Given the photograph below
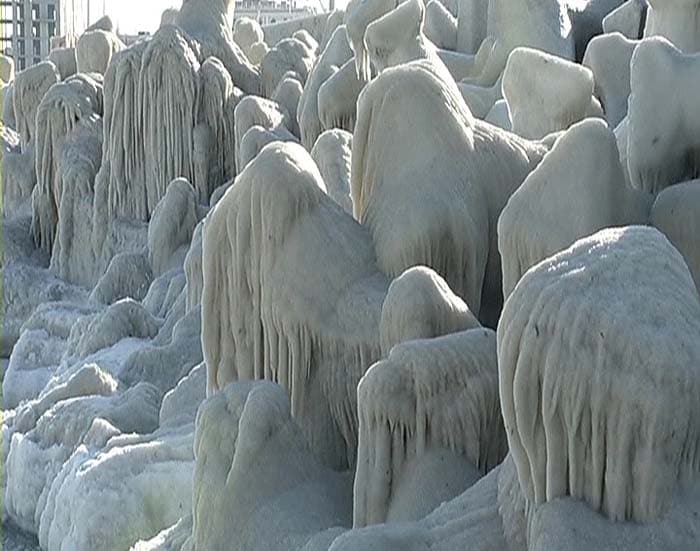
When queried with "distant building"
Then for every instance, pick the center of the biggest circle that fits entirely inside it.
(28, 27)
(267, 12)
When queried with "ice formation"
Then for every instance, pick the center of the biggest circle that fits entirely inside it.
(332, 154)
(397, 37)
(609, 56)
(171, 227)
(577, 190)
(62, 108)
(95, 49)
(630, 382)
(257, 53)
(254, 140)
(78, 165)
(336, 53)
(214, 137)
(251, 461)
(210, 23)
(65, 60)
(307, 38)
(662, 147)
(29, 88)
(169, 17)
(564, 389)
(629, 19)
(287, 55)
(440, 25)
(334, 20)
(675, 213)
(540, 24)
(358, 15)
(676, 20)
(459, 155)
(288, 95)
(169, 63)
(104, 23)
(257, 111)
(420, 305)
(546, 94)
(244, 282)
(278, 335)
(430, 426)
(337, 98)
(246, 32)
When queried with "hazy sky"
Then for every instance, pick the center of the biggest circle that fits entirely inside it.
(138, 15)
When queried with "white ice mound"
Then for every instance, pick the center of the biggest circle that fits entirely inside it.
(246, 32)
(95, 49)
(171, 227)
(358, 15)
(168, 63)
(272, 246)
(337, 98)
(578, 189)
(288, 94)
(65, 60)
(676, 213)
(256, 483)
(257, 111)
(546, 93)
(676, 20)
(36, 457)
(29, 88)
(609, 56)
(538, 24)
(420, 305)
(663, 147)
(131, 489)
(336, 53)
(332, 153)
(398, 37)
(289, 54)
(440, 25)
(607, 346)
(433, 198)
(7, 69)
(629, 19)
(214, 136)
(210, 23)
(430, 426)
(60, 112)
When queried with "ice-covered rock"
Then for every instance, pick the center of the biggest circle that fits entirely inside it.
(29, 88)
(676, 20)
(662, 145)
(332, 153)
(675, 214)
(95, 49)
(578, 189)
(609, 56)
(546, 93)
(629, 19)
(430, 426)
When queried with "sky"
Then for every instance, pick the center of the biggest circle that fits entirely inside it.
(132, 16)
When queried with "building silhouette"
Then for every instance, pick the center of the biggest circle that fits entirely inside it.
(28, 27)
